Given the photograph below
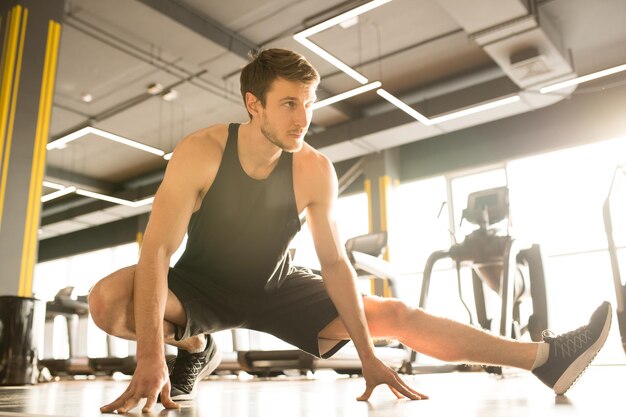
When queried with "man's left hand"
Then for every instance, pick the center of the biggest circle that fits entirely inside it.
(376, 373)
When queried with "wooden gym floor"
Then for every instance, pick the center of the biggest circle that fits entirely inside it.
(599, 392)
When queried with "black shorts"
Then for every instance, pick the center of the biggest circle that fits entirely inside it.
(295, 312)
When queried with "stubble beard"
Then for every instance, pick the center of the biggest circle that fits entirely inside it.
(271, 135)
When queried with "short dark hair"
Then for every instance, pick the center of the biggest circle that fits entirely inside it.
(269, 64)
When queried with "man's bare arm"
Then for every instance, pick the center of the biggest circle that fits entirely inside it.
(191, 169)
(339, 276)
(340, 280)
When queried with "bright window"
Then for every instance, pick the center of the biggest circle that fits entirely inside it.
(417, 229)
(557, 201)
(351, 216)
(81, 272)
(557, 197)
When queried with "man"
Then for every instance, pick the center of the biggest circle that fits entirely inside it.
(238, 191)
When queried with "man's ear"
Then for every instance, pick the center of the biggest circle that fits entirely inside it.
(252, 104)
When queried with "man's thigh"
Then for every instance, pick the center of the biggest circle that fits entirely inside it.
(380, 313)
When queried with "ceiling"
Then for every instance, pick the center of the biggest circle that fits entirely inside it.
(437, 56)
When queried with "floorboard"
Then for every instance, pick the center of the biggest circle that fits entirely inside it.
(599, 393)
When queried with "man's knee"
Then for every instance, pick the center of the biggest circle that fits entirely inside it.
(391, 314)
(109, 299)
(399, 312)
(97, 300)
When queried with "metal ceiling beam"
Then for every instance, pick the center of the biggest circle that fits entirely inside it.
(590, 117)
(221, 35)
(204, 26)
(54, 174)
(94, 238)
(395, 117)
(356, 128)
(584, 118)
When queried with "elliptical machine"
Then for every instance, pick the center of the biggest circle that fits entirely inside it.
(513, 271)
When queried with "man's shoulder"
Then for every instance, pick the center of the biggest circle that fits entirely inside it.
(201, 150)
(210, 138)
(314, 172)
(311, 158)
(197, 157)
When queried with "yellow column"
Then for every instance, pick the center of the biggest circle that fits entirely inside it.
(31, 34)
(381, 177)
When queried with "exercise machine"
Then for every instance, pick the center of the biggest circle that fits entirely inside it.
(75, 310)
(365, 252)
(500, 262)
(615, 203)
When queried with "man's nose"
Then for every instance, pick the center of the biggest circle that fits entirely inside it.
(302, 117)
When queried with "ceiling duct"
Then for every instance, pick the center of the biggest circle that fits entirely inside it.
(521, 40)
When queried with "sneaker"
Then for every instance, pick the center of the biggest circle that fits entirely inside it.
(572, 352)
(170, 360)
(190, 368)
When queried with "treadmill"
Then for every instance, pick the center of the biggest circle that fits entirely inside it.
(74, 309)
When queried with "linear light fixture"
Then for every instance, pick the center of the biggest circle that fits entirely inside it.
(72, 189)
(332, 59)
(168, 156)
(454, 115)
(63, 190)
(475, 109)
(346, 94)
(341, 18)
(105, 197)
(143, 202)
(115, 200)
(403, 106)
(62, 142)
(53, 185)
(57, 194)
(583, 79)
(302, 37)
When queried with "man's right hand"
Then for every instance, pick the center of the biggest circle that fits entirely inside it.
(150, 379)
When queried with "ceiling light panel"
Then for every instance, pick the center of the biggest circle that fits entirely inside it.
(341, 18)
(352, 14)
(346, 95)
(57, 194)
(53, 185)
(115, 200)
(344, 17)
(332, 59)
(583, 79)
(475, 109)
(103, 197)
(62, 142)
(403, 106)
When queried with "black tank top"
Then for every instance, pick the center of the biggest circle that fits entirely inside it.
(241, 232)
